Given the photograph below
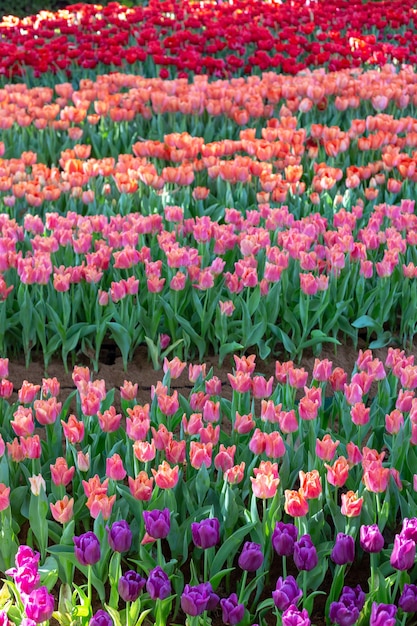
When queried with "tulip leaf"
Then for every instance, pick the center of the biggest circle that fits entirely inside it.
(229, 548)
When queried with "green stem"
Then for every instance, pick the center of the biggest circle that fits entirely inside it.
(160, 558)
(374, 566)
(242, 588)
(396, 586)
(89, 586)
(127, 613)
(206, 566)
(284, 567)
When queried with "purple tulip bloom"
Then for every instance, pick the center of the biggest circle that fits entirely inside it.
(158, 585)
(287, 592)
(408, 599)
(101, 618)
(157, 523)
(251, 557)
(403, 553)
(206, 533)
(39, 605)
(194, 600)
(283, 538)
(343, 550)
(213, 597)
(232, 611)
(371, 539)
(130, 585)
(409, 529)
(87, 548)
(293, 617)
(383, 615)
(305, 554)
(343, 614)
(354, 595)
(119, 536)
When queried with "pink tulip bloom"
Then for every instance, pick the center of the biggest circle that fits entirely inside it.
(114, 468)
(166, 477)
(63, 510)
(326, 448)
(200, 454)
(141, 486)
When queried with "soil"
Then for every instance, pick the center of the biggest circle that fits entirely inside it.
(140, 371)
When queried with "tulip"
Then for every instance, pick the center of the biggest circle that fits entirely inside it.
(408, 599)
(351, 504)
(344, 549)
(354, 596)
(383, 615)
(251, 557)
(343, 614)
(87, 548)
(403, 553)
(305, 554)
(157, 523)
(119, 536)
(206, 533)
(296, 504)
(130, 586)
(293, 617)
(39, 605)
(158, 585)
(283, 538)
(286, 592)
(371, 539)
(409, 528)
(194, 600)
(63, 510)
(26, 577)
(101, 618)
(232, 610)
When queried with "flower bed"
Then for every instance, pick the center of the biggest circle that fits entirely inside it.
(187, 488)
(227, 177)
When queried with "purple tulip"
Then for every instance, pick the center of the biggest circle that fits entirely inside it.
(119, 536)
(213, 597)
(353, 595)
(157, 523)
(287, 592)
(251, 557)
(409, 529)
(87, 548)
(283, 538)
(158, 585)
(343, 614)
(101, 618)
(383, 615)
(39, 605)
(130, 585)
(194, 600)
(206, 533)
(293, 617)
(343, 550)
(232, 611)
(408, 599)
(305, 554)
(403, 553)
(371, 539)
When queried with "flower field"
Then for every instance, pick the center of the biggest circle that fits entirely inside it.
(213, 184)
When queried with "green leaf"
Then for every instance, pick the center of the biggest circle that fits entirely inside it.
(229, 548)
(227, 348)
